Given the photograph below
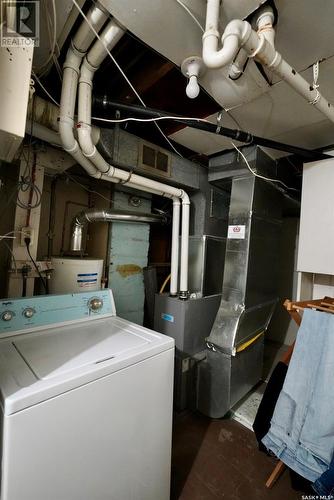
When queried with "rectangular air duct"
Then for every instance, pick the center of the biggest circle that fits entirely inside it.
(249, 296)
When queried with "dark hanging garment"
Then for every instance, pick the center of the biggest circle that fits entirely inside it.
(265, 411)
(263, 417)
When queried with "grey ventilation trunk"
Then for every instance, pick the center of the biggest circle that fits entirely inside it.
(248, 297)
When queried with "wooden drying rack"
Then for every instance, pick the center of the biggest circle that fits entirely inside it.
(325, 305)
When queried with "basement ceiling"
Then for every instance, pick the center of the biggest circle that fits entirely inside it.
(161, 34)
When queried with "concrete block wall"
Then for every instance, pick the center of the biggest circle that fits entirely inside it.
(129, 245)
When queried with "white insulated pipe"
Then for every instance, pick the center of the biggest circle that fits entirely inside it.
(174, 269)
(108, 39)
(79, 45)
(94, 163)
(46, 114)
(260, 46)
(43, 133)
(238, 64)
(212, 57)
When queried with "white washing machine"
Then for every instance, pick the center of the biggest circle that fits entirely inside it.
(86, 401)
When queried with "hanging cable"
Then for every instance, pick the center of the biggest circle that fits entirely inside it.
(122, 73)
(24, 185)
(42, 86)
(9, 235)
(194, 18)
(90, 191)
(12, 255)
(27, 242)
(159, 118)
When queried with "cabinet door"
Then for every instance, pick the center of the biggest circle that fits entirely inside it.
(316, 238)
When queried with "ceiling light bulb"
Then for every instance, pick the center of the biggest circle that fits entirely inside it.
(192, 89)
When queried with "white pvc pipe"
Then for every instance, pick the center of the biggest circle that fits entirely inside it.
(174, 271)
(184, 249)
(92, 161)
(80, 43)
(212, 57)
(46, 114)
(260, 46)
(85, 36)
(237, 66)
(108, 39)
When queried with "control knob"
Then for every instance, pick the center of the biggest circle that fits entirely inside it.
(7, 315)
(28, 312)
(95, 304)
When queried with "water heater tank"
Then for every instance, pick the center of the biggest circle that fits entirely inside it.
(75, 275)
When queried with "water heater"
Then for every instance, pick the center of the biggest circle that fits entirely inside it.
(75, 275)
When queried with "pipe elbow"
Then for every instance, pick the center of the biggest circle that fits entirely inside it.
(86, 72)
(185, 198)
(238, 65)
(85, 139)
(67, 136)
(214, 58)
(73, 59)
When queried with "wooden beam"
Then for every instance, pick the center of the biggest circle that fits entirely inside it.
(146, 78)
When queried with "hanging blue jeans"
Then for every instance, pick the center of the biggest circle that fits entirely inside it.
(302, 428)
(324, 485)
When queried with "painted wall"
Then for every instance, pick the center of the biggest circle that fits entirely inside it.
(129, 245)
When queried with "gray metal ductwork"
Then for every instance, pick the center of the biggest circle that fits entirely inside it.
(233, 363)
(88, 216)
(131, 152)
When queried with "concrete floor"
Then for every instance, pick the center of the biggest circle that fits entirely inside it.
(220, 459)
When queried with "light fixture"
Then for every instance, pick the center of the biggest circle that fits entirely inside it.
(192, 68)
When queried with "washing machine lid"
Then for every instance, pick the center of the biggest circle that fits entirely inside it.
(40, 365)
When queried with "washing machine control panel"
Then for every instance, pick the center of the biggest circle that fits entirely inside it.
(23, 314)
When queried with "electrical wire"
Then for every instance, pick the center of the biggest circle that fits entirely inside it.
(27, 242)
(42, 86)
(27, 183)
(194, 18)
(269, 179)
(133, 119)
(4, 236)
(12, 254)
(91, 191)
(24, 185)
(122, 72)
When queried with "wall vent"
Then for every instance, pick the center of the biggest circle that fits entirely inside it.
(152, 158)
